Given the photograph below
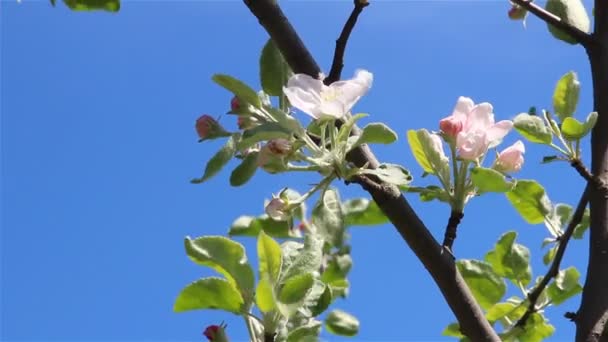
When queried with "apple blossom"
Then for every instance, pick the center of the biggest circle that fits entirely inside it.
(216, 333)
(208, 128)
(235, 104)
(314, 98)
(476, 128)
(511, 158)
(277, 209)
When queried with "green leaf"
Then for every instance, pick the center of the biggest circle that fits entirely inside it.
(345, 129)
(295, 288)
(549, 159)
(252, 226)
(273, 70)
(209, 293)
(311, 330)
(510, 260)
(323, 301)
(571, 12)
(430, 193)
(573, 129)
(362, 212)
(529, 199)
(536, 329)
(391, 173)
(264, 297)
(582, 227)
(225, 256)
(263, 132)
(246, 169)
(453, 330)
(328, 218)
(92, 5)
(339, 322)
(565, 95)
(376, 133)
(564, 286)
(269, 255)
(298, 259)
(489, 180)
(337, 269)
(218, 161)
(430, 159)
(533, 128)
(550, 255)
(487, 287)
(238, 88)
(509, 310)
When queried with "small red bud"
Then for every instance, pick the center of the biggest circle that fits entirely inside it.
(235, 105)
(204, 125)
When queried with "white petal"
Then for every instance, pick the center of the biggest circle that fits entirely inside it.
(463, 107)
(333, 108)
(305, 82)
(498, 131)
(308, 102)
(348, 92)
(364, 77)
(481, 117)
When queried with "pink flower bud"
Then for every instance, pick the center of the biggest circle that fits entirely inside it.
(277, 209)
(451, 126)
(246, 122)
(208, 128)
(279, 147)
(511, 158)
(216, 333)
(235, 105)
(517, 12)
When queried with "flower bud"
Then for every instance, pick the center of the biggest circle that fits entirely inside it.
(216, 333)
(511, 158)
(208, 128)
(451, 126)
(517, 12)
(235, 104)
(246, 122)
(279, 147)
(277, 209)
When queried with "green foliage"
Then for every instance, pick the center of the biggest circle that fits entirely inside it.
(533, 128)
(565, 95)
(391, 173)
(564, 286)
(342, 323)
(239, 89)
(571, 12)
(219, 160)
(529, 199)
(266, 131)
(510, 260)
(362, 212)
(245, 170)
(252, 226)
(486, 286)
(308, 332)
(328, 218)
(427, 157)
(92, 5)
(270, 257)
(489, 180)
(264, 296)
(209, 293)
(573, 129)
(376, 133)
(430, 193)
(296, 288)
(274, 72)
(226, 257)
(453, 330)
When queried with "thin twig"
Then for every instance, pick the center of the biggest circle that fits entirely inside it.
(554, 268)
(450, 230)
(580, 36)
(338, 62)
(597, 183)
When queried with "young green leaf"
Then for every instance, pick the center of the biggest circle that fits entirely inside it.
(238, 88)
(225, 256)
(218, 161)
(529, 199)
(246, 169)
(427, 155)
(582, 227)
(296, 288)
(339, 322)
(550, 255)
(487, 287)
(270, 258)
(510, 260)
(490, 180)
(93, 5)
(264, 297)
(209, 293)
(536, 329)
(571, 12)
(533, 128)
(453, 330)
(273, 70)
(328, 217)
(391, 173)
(376, 133)
(565, 95)
(564, 286)
(362, 212)
(263, 132)
(308, 332)
(345, 129)
(298, 259)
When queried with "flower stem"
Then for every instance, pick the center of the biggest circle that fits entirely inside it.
(250, 328)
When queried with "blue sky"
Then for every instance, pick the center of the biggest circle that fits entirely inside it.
(98, 148)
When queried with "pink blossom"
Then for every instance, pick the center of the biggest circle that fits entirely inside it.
(235, 105)
(206, 126)
(511, 158)
(475, 127)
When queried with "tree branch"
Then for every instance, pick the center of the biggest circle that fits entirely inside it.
(338, 62)
(554, 268)
(450, 230)
(440, 265)
(582, 37)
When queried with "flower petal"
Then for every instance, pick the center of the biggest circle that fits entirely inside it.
(308, 102)
(498, 131)
(481, 117)
(463, 107)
